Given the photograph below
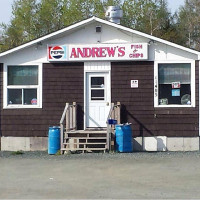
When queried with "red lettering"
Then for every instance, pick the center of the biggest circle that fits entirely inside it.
(102, 52)
(73, 54)
(87, 52)
(136, 46)
(80, 52)
(121, 51)
(111, 51)
(95, 52)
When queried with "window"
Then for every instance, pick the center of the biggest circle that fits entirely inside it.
(22, 88)
(97, 88)
(174, 84)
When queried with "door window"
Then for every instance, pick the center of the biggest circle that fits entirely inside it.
(97, 88)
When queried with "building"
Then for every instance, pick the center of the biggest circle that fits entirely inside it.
(94, 63)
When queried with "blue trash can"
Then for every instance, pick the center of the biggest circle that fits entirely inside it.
(123, 135)
(53, 140)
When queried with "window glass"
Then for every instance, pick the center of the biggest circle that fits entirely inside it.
(14, 96)
(174, 84)
(97, 82)
(97, 94)
(169, 73)
(30, 96)
(22, 75)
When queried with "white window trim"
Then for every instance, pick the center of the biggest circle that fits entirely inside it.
(38, 87)
(156, 85)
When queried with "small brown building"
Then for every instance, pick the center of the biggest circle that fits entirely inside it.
(96, 63)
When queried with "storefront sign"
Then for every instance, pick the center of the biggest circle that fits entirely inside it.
(134, 83)
(137, 51)
(56, 53)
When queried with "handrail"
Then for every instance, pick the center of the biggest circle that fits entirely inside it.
(110, 112)
(64, 113)
(115, 114)
(70, 114)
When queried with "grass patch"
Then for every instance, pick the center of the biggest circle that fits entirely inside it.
(17, 153)
(58, 153)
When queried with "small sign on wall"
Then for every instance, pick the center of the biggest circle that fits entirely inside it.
(134, 83)
(176, 84)
(176, 92)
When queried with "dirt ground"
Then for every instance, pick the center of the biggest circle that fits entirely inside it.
(37, 175)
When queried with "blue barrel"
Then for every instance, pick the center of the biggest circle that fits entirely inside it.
(123, 135)
(54, 140)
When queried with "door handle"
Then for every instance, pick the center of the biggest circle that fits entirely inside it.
(107, 103)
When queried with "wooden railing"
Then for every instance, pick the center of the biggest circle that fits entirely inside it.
(113, 114)
(69, 114)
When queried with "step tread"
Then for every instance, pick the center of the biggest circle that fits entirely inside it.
(85, 143)
(91, 138)
(72, 149)
(85, 132)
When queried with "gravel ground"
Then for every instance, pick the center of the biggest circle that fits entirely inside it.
(135, 155)
(156, 175)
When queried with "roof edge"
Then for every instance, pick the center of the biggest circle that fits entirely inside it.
(84, 22)
(70, 27)
(148, 36)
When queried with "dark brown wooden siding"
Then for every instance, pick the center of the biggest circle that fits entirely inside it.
(138, 103)
(61, 83)
(64, 83)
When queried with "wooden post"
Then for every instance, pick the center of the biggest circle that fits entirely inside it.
(113, 111)
(67, 118)
(108, 137)
(118, 112)
(74, 110)
(61, 137)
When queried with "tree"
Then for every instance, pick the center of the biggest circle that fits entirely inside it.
(22, 27)
(188, 19)
(149, 16)
(35, 18)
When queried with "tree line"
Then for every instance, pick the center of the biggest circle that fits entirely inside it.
(32, 19)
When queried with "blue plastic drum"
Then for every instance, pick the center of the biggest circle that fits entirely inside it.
(123, 135)
(54, 140)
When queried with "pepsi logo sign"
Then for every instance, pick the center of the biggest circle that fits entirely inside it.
(56, 52)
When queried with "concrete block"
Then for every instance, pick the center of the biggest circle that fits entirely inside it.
(15, 144)
(175, 144)
(191, 143)
(137, 144)
(38, 143)
(24, 143)
(155, 143)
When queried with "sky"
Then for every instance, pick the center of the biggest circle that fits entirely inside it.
(6, 8)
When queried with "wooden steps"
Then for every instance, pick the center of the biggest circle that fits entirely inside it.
(85, 141)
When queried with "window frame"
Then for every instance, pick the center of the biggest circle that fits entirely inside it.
(6, 87)
(156, 84)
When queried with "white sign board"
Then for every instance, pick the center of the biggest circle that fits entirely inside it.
(92, 52)
(134, 83)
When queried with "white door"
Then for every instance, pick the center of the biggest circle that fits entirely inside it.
(97, 98)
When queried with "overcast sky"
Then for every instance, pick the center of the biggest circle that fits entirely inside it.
(6, 8)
